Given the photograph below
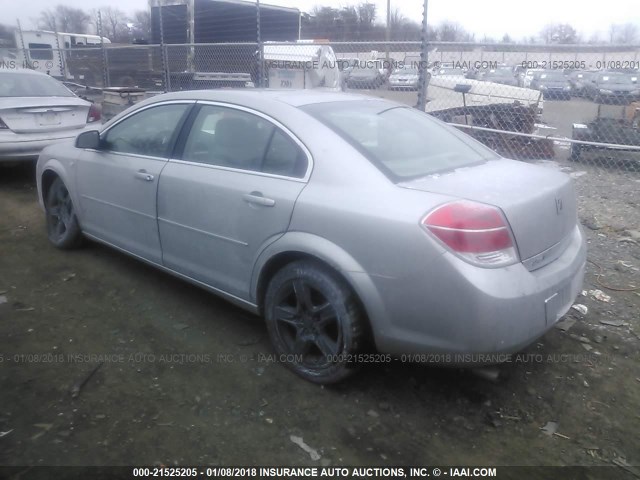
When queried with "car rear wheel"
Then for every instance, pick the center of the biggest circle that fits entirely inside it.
(314, 321)
(62, 224)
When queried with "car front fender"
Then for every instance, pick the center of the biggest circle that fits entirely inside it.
(52, 164)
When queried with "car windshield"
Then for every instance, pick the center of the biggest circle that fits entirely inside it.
(552, 76)
(617, 79)
(402, 142)
(451, 71)
(503, 72)
(14, 84)
(406, 71)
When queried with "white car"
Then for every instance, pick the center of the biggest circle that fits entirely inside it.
(528, 76)
(37, 110)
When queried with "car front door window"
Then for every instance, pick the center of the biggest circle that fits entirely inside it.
(147, 133)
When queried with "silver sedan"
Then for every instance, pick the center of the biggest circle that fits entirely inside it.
(352, 224)
(37, 110)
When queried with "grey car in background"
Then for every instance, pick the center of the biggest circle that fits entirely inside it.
(365, 77)
(578, 79)
(503, 76)
(404, 79)
(552, 84)
(37, 110)
(352, 224)
(613, 87)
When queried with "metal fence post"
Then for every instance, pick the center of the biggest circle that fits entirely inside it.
(105, 64)
(166, 73)
(26, 63)
(62, 61)
(261, 82)
(423, 81)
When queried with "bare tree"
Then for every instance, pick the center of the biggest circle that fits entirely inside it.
(142, 24)
(63, 19)
(562, 33)
(367, 15)
(114, 24)
(449, 31)
(47, 20)
(403, 29)
(625, 34)
(594, 39)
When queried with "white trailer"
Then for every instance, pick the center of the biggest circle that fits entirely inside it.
(302, 65)
(48, 52)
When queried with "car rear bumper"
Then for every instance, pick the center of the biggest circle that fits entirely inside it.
(474, 313)
(29, 145)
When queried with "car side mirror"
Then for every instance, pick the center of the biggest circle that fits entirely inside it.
(90, 139)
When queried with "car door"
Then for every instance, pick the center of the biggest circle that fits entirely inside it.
(117, 183)
(228, 195)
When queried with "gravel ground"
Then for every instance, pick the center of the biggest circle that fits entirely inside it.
(189, 379)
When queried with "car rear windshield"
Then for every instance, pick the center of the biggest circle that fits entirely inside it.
(14, 84)
(401, 141)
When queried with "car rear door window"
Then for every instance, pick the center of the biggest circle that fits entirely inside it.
(228, 137)
(233, 138)
(284, 157)
(147, 133)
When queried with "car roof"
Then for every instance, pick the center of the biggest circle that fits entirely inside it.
(257, 98)
(24, 71)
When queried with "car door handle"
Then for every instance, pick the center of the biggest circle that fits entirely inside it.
(144, 175)
(256, 198)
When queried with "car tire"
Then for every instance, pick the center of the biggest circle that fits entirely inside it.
(63, 229)
(315, 322)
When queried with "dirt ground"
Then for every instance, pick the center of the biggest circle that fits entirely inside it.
(188, 378)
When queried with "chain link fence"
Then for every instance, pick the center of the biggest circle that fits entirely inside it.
(567, 103)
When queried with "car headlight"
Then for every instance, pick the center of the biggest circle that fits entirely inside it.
(567, 88)
(604, 90)
(543, 87)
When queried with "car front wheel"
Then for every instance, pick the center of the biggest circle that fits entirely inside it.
(314, 322)
(62, 224)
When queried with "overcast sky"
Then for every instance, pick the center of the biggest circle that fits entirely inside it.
(483, 17)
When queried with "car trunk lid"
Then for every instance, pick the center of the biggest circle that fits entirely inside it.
(539, 203)
(43, 114)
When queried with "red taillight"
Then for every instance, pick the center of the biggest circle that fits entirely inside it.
(94, 114)
(477, 232)
(3, 125)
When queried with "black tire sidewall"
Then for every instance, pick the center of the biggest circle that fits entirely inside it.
(72, 236)
(341, 298)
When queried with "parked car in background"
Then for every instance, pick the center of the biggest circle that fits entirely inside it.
(526, 77)
(552, 84)
(613, 87)
(578, 79)
(404, 79)
(503, 76)
(369, 76)
(37, 110)
(449, 71)
(352, 224)
(346, 66)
